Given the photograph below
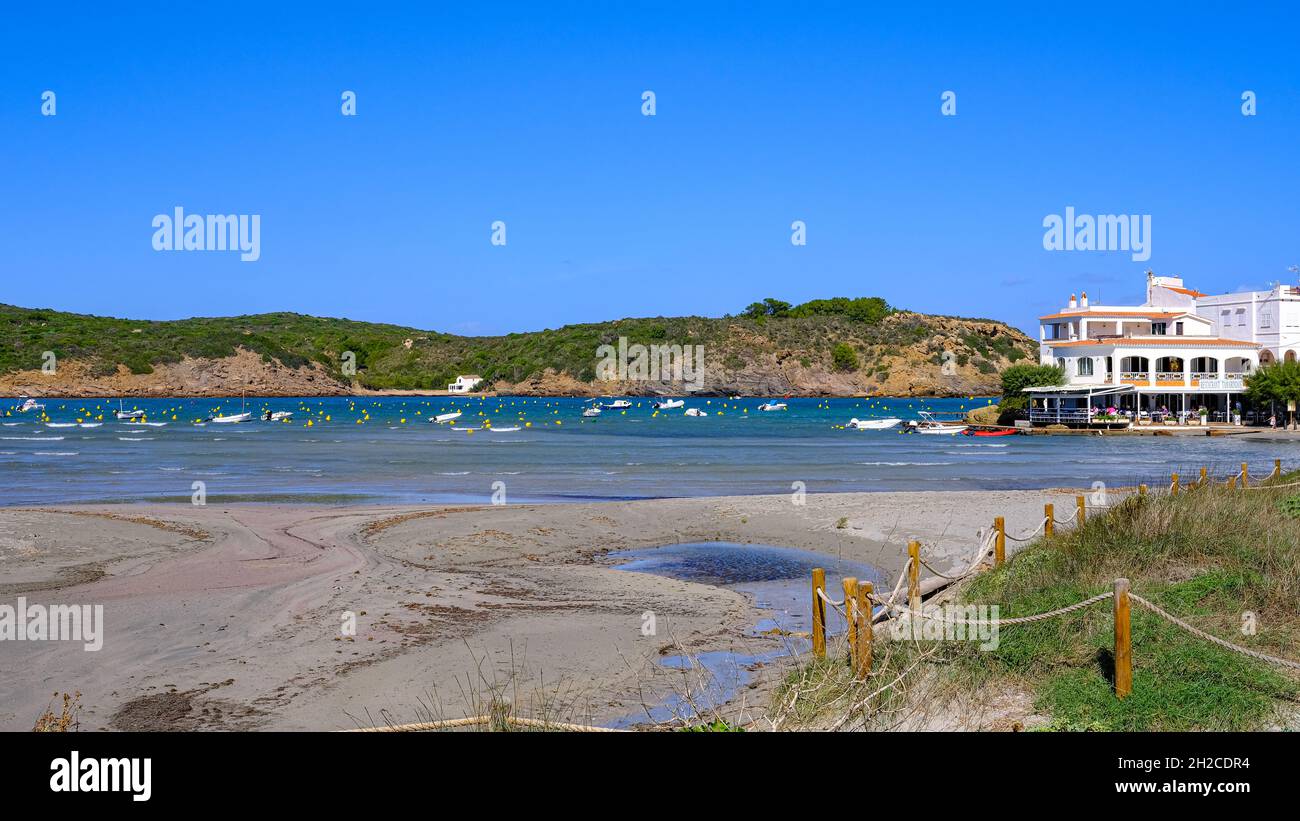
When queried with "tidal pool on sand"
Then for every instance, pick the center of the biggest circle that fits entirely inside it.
(777, 579)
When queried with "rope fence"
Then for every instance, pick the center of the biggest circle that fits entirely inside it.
(478, 721)
(859, 598)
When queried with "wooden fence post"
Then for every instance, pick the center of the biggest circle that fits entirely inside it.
(818, 613)
(1277, 468)
(1083, 509)
(1049, 513)
(1203, 479)
(1173, 484)
(914, 576)
(864, 630)
(850, 620)
(1245, 474)
(1123, 641)
(1232, 483)
(1142, 490)
(1000, 543)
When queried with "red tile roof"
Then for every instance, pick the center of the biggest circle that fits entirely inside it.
(1168, 341)
(1187, 291)
(1151, 314)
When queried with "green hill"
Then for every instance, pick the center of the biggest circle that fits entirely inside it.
(836, 346)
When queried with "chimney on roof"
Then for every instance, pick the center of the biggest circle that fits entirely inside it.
(1074, 303)
(1083, 300)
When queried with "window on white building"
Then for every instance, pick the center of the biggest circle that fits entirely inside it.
(1085, 366)
(1266, 318)
(1241, 317)
(1158, 328)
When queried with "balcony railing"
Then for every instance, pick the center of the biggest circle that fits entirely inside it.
(1169, 376)
(1134, 376)
(1077, 415)
(1205, 374)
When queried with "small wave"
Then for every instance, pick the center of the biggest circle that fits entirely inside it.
(135, 438)
(906, 464)
(32, 438)
(455, 473)
(56, 453)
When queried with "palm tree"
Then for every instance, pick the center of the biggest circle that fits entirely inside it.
(1279, 382)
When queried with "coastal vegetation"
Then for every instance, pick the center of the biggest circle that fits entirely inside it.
(1014, 381)
(1223, 559)
(1276, 382)
(827, 346)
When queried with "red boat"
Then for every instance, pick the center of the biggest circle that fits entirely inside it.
(991, 432)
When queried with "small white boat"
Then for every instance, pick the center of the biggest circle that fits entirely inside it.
(942, 430)
(122, 413)
(695, 412)
(873, 424)
(934, 427)
(772, 406)
(668, 404)
(232, 419)
(30, 405)
(444, 418)
(589, 412)
(276, 416)
(617, 404)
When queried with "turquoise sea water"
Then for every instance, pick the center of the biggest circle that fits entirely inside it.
(556, 455)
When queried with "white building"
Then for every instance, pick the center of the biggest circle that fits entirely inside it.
(1168, 358)
(464, 384)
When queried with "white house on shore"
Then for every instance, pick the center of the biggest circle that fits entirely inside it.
(1166, 359)
(464, 384)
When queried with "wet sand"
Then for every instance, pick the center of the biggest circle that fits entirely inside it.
(229, 616)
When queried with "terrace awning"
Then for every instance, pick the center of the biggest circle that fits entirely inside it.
(1079, 390)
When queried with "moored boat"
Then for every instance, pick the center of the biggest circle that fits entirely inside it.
(873, 424)
(932, 426)
(123, 414)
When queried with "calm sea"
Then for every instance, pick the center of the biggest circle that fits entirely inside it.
(383, 449)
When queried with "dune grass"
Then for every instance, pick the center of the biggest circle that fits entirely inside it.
(1226, 561)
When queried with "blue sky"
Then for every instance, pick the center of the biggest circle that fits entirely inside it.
(766, 113)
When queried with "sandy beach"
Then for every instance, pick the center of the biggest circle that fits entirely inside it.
(229, 616)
